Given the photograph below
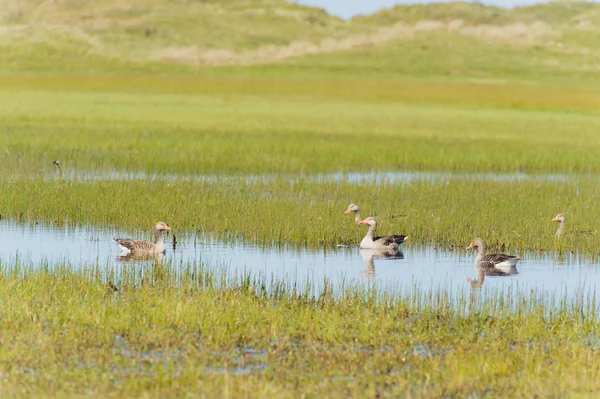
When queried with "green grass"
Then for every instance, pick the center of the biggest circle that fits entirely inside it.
(553, 41)
(507, 215)
(230, 125)
(193, 336)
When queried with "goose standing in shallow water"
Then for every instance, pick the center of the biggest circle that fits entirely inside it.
(139, 247)
(385, 242)
(354, 208)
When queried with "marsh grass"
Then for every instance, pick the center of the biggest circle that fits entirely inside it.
(237, 125)
(279, 211)
(247, 124)
(192, 333)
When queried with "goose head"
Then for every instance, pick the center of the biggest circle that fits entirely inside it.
(560, 218)
(352, 208)
(161, 226)
(370, 221)
(477, 244)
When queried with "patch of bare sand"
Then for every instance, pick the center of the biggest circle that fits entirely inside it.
(192, 55)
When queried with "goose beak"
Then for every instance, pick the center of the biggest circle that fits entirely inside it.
(555, 220)
(470, 246)
(167, 227)
(364, 222)
(348, 210)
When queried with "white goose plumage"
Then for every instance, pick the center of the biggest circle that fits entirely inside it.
(384, 242)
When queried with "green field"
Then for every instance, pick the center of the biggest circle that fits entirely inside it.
(231, 131)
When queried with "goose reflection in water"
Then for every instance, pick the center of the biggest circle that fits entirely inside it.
(482, 272)
(133, 257)
(368, 256)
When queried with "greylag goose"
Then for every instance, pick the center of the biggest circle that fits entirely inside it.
(386, 242)
(490, 263)
(561, 220)
(139, 247)
(354, 208)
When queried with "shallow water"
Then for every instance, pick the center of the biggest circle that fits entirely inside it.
(350, 177)
(422, 267)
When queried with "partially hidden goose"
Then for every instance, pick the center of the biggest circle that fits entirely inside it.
(386, 242)
(491, 264)
(139, 247)
(354, 208)
(561, 220)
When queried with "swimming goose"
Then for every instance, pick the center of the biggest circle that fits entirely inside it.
(491, 263)
(386, 242)
(354, 208)
(139, 247)
(560, 218)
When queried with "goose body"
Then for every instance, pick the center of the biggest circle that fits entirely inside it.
(492, 263)
(379, 242)
(498, 265)
(140, 247)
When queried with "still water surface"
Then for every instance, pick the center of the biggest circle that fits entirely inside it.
(417, 266)
(349, 177)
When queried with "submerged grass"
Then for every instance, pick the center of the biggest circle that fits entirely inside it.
(301, 211)
(67, 333)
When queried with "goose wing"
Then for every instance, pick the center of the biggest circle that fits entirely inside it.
(388, 240)
(134, 245)
(492, 261)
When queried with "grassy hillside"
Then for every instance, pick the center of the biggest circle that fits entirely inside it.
(177, 36)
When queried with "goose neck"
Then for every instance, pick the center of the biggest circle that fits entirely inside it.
(561, 228)
(357, 218)
(371, 231)
(158, 237)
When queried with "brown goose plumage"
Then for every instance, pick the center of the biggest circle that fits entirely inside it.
(491, 263)
(140, 247)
